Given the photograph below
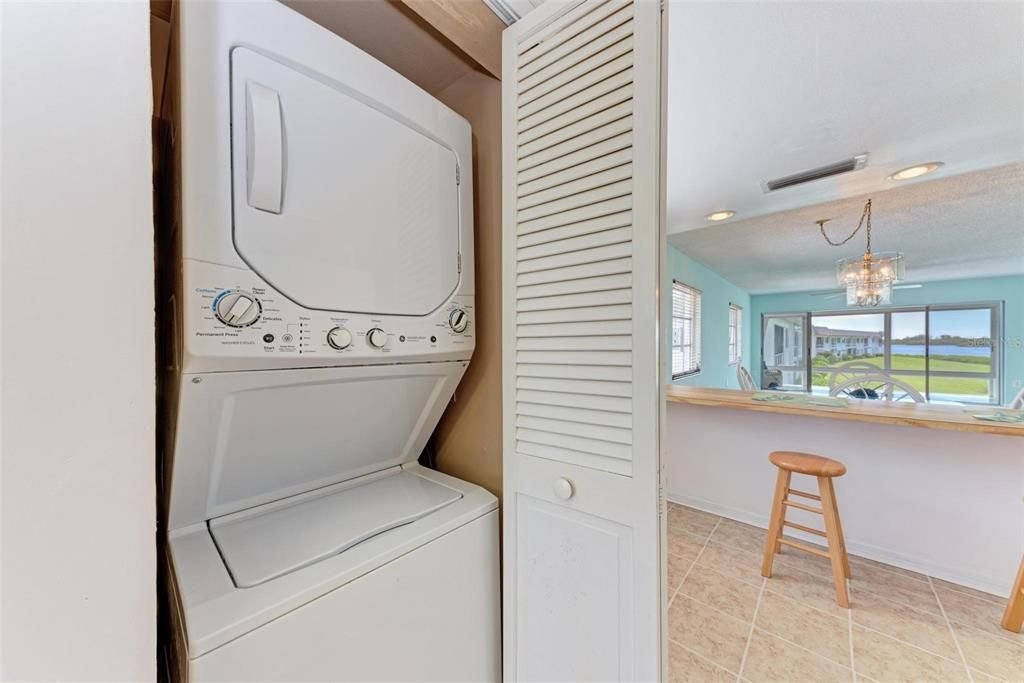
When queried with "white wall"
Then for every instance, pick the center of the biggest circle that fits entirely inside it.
(76, 298)
(940, 502)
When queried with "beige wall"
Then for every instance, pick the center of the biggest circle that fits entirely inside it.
(468, 438)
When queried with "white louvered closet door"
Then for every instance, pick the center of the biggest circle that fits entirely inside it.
(583, 228)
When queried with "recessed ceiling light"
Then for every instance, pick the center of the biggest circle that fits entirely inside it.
(720, 215)
(915, 171)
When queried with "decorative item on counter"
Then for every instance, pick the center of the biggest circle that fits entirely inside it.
(802, 399)
(1006, 415)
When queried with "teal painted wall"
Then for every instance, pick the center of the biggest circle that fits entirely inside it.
(716, 295)
(979, 290)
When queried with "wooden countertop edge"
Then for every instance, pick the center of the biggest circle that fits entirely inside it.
(740, 400)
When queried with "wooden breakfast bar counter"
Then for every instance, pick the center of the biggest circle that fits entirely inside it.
(927, 415)
(928, 487)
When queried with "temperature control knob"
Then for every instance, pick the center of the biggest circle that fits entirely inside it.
(458, 320)
(339, 338)
(237, 309)
(376, 338)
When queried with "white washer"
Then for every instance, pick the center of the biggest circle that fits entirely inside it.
(324, 315)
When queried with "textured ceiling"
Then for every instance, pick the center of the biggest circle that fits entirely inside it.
(759, 90)
(969, 225)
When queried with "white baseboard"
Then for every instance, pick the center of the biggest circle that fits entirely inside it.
(871, 552)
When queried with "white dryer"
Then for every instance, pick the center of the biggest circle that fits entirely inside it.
(324, 313)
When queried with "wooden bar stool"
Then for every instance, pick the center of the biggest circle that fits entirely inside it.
(824, 469)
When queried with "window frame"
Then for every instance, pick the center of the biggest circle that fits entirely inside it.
(995, 375)
(735, 338)
(695, 325)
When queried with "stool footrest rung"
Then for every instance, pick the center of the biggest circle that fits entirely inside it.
(801, 506)
(804, 494)
(806, 548)
(801, 527)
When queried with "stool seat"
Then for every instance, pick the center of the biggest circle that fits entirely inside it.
(807, 463)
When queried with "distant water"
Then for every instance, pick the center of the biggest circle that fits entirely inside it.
(941, 349)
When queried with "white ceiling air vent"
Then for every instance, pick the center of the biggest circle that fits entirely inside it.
(845, 166)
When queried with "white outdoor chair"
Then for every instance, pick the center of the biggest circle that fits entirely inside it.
(851, 370)
(745, 379)
(1018, 402)
(877, 386)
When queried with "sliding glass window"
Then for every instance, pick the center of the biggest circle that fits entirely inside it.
(943, 353)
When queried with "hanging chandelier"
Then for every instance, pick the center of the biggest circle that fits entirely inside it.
(868, 279)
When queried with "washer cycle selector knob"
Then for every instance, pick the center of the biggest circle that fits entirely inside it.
(237, 309)
(339, 338)
(458, 320)
(376, 338)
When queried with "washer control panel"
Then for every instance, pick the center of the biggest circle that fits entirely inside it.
(233, 320)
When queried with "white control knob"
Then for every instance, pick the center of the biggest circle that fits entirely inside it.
(339, 338)
(564, 488)
(458, 320)
(377, 338)
(237, 309)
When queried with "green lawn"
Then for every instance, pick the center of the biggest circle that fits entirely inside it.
(939, 385)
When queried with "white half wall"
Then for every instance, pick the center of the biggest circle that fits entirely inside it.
(948, 504)
(77, 482)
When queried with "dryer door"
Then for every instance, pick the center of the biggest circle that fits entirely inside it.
(339, 203)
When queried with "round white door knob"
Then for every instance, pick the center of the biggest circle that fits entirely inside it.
(564, 488)
(377, 338)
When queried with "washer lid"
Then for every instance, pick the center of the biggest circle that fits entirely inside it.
(263, 543)
(338, 202)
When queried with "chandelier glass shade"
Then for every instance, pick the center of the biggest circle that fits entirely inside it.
(868, 280)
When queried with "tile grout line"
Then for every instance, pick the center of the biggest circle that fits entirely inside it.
(818, 654)
(693, 564)
(952, 631)
(750, 634)
(700, 656)
(849, 628)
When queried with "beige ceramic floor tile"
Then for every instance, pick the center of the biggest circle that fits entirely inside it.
(696, 522)
(981, 677)
(740, 536)
(684, 544)
(803, 561)
(885, 659)
(994, 656)
(983, 615)
(821, 633)
(896, 588)
(738, 564)
(677, 568)
(917, 627)
(856, 560)
(773, 660)
(732, 596)
(685, 666)
(708, 632)
(813, 590)
(941, 585)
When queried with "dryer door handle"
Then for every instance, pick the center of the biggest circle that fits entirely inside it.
(264, 147)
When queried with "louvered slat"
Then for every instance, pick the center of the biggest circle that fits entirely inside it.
(559, 31)
(603, 404)
(574, 413)
(572, 266)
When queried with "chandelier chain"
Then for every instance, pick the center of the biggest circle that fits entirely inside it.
(865, 218)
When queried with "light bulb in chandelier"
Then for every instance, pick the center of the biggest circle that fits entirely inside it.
(868, 279)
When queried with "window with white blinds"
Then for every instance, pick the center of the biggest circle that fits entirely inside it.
(685, 330)
(735, 333)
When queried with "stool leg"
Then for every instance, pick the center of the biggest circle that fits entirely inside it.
(775, 525)
(1013, 618)
(835, 542)
(839, 526)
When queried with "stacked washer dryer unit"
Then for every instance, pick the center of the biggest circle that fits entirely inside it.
(325, 315)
